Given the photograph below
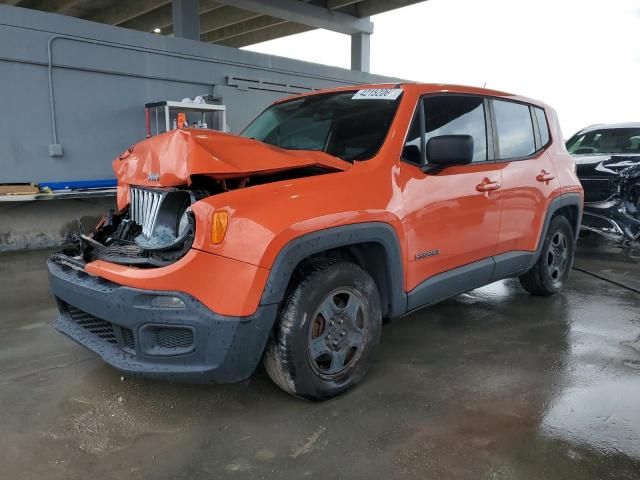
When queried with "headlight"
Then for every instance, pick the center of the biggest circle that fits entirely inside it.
(183, 225)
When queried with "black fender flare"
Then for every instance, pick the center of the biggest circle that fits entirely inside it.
(565, 200)
(308, 244)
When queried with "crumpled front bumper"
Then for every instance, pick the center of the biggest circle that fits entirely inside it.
(124, 326)
(613, 219)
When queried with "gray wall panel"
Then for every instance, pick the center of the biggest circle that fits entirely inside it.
(249, 103)
(94, 109)
(24, 121)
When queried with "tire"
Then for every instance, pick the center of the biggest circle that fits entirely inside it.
(327, 330)
(551, 271)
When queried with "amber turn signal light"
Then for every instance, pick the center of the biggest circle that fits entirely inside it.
(219, 223)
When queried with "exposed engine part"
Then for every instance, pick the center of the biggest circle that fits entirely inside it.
(157, 227)
(233, 184)
(155, 230)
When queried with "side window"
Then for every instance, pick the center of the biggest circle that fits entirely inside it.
(515, 130)
(411, 151)
(457, 115)
(542, 125)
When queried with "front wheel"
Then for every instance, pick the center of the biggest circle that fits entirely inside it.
(550, 273)
(327, 331)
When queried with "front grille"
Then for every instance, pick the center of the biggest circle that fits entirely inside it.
(145, 205)
(177, 338)
(127, 338)
(101, 328)
(599, 189)
(95, 325)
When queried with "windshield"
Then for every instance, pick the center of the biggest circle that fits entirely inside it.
(609, 140)
(348, 125)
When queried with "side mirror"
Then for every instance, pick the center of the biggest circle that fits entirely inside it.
(446, 150)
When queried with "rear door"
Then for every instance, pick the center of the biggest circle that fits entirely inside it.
(452, 216)
(528, 179)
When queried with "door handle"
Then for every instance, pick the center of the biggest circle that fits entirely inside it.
(487, 186)
(545, 176)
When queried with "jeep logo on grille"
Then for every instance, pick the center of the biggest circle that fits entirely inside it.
(153, 177)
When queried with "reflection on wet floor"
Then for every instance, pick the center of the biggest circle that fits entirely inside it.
(614, 262)
(491, 384)
(599, 403)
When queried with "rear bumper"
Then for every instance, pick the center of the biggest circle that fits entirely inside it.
(122, 325)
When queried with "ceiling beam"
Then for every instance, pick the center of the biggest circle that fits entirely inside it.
(162, 18)
(122, 12)
(335, 4)
(158, 18)
(224, 17)
(278, 31)
(53, 6)
(306, 14)
(241, 28)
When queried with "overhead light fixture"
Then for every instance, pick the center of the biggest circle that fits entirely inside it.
(156, 30)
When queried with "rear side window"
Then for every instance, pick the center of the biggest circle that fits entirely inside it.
(457, 115)
(515, 130)
(543, 127)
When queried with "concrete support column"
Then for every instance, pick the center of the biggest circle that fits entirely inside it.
(186, 19)
(360, 51)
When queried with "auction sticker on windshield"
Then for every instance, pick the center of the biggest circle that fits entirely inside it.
(377, 94)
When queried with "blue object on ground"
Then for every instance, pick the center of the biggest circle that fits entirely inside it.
(80, 184)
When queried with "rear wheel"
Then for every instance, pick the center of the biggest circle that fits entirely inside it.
(550, 273)
(327, 331)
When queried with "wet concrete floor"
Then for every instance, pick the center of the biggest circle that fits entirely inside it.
(493, 384)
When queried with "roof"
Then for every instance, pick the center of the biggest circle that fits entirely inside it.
(427, 88)
(221, 22)
(609, 126)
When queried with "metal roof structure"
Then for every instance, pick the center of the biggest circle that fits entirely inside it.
(234, 23)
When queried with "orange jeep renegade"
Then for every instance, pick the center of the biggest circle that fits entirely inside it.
(332, 211)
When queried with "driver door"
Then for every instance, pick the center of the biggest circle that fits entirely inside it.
(453, 215)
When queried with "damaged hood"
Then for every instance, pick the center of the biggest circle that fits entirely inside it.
(170, 159)
(605, 165)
